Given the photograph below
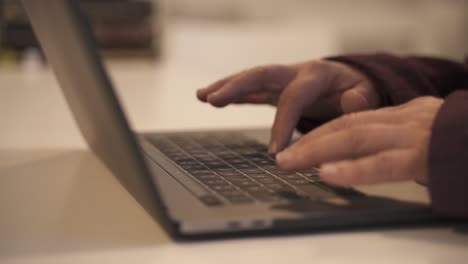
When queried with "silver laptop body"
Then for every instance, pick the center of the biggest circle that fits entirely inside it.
(161, 186)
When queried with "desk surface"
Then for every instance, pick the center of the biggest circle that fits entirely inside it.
(58, 204)
(63, 206)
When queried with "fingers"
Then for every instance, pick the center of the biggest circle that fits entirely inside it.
(258, 98)
(381, 116)
(260, 79)
(236, 88)
(350, 143)
(293, 100)
(359, 97)
(203, 93)
(387, 166)
(305, 92)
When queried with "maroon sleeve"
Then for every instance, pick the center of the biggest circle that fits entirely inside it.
(448, 157)
(398, 80)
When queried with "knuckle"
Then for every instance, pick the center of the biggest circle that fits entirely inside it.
(322, 66)
(356, 173)
(357, 138)
(314, 65)
(276, 68)
(423, 99)
(289, 96)
(341, 123)
(425, 102)
(405, 165)
(354, 100)
(256, 73)
(261, 70)
(266, 72)
(347, 120)
(294, 93)
(257, 69)
(386, 163)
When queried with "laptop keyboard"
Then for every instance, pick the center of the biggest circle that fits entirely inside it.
(239, 170)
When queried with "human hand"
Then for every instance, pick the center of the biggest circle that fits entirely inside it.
(315, 89)
(389, 144)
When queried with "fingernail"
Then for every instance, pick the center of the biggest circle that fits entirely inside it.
(273, 148)
(329, 170)
(283, 157)
(200, 95)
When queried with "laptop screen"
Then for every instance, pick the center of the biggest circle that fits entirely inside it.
(69, 47)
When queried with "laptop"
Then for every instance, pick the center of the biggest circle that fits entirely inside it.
(196, 184)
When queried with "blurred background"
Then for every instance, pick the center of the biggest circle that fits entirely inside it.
(158, 52)
(142, 28)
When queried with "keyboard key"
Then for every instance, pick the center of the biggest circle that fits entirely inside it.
(227, 155)
(270, 167)
(249, 171)
(220, 167)
(215, 149)
(289, 177)
(206, 177)
(268, 180)
(278, 187)
(236, 178)
(214, 182)
(229, 173)
(183, 162)
(279, 172)
(244, 151)
(253, 188)
(255, 156)
(244, 183)
(312, 176)
(260, 176)
(298, 182)
(207, 159)
(200, 172)
(234, 160)
(220, 188)
(202, 155)
(244, 166)
(263, 163)
(193, 167)
(220, 170)
(214, 163)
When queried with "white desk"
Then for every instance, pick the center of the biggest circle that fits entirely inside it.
(58, 204)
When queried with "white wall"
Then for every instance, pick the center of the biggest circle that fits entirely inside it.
(438, 27)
